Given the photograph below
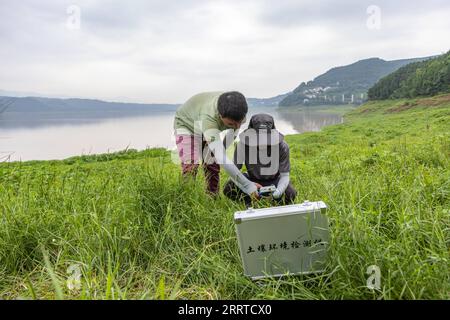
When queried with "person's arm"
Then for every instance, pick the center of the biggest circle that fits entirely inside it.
(238, 155)
(282, 185)
(212, 137)
(230, 137)
(285, 168)
(230, 168)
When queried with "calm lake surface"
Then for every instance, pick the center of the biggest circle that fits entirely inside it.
(45, 136)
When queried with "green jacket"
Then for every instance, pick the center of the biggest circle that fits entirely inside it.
(199, 115)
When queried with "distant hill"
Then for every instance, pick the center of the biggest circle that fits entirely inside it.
(266, 102)
(425, 78)
(346, 84)
(21, 102)
(38, 111)
(95, 108)
(21, 94)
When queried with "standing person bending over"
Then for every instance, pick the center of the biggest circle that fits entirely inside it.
(198, 123)
(266, 156)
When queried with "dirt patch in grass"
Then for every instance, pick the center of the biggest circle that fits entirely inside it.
(405, 106)
(435, 101)
(423, 102)
(367, 110)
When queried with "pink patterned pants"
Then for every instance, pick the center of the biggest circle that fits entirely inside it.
(192, 150)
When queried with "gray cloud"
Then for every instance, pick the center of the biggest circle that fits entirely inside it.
(165, 51)
(349, 12)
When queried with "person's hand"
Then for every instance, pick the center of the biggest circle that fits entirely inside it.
(277, 194)
(255, 196)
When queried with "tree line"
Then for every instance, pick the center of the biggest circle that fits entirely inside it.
(425, 78)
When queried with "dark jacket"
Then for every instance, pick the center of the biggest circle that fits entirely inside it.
(262, 149)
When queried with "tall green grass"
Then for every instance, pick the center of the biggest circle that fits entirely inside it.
(136, 230)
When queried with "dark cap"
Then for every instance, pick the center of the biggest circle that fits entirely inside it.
(261, 132)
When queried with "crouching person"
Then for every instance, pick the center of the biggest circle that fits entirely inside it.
(197, 126)
(266, 156)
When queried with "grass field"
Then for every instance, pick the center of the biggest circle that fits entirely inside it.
(134, 231)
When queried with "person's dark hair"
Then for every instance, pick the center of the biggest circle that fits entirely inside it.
(232, 105)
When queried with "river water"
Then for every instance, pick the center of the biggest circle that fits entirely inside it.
(43, 137)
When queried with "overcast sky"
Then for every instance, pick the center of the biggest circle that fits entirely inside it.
(166, 51)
